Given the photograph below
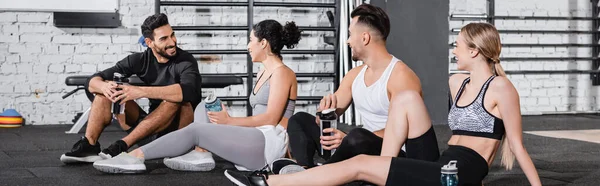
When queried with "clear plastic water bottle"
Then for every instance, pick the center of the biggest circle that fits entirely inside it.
(212, 103)
(118, 108)
(328, 119)
(450, 174)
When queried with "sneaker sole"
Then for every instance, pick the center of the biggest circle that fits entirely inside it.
(72, 159)
(289, 169)
(186, 166)
(235, 181)
(122, 169)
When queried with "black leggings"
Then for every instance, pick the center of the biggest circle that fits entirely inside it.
(304, 141)
(472, 168)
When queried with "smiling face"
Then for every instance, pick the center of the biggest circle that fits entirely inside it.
(257, 48)
(356, 37)
(164, 42)
(463, 53)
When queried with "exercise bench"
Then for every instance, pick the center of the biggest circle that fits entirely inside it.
(208, 81)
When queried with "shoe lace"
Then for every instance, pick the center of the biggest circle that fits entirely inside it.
(263, 172)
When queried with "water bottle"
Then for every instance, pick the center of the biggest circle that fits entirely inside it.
(450, 174)
(212, 103)
(118, 108)
(328, 119)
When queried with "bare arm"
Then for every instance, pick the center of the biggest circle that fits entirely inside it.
(401, 79)
(101, 83)
(344, 93)
(170, 93)
(281, 84)
(508, 105)
(186, 90)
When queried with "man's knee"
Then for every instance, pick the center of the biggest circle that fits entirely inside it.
(101, 99)
(186, 114)
(357, 138)
(299, 117)
(296, 121)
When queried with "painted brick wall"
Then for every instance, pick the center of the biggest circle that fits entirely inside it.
(542, 93)
(36, 56)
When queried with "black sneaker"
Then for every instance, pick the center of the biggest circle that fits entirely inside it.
(82, 151)
(255, 178)
(114, 149)
(285, 166)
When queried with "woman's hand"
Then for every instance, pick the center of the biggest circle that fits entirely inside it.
(221, 117)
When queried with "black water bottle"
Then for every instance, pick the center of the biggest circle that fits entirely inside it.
(117, 108)
(328, 119)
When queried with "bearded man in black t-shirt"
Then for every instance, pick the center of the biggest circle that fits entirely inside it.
(172, 84)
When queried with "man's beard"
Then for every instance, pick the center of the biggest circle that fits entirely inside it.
(164, 54)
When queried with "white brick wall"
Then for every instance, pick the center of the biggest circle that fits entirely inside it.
(36, 57)
(544, 93)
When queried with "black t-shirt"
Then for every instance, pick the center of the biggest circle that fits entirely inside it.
(182, 70)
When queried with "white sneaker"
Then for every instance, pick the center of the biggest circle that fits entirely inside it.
(192, 161)
(285, 166)
(122, 163)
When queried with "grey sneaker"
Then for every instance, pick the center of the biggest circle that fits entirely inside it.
(285, 166)
(192, 161)
(122, 163)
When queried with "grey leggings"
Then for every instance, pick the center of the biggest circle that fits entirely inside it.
(243, 146)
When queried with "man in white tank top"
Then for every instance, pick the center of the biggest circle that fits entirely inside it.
(371, 87)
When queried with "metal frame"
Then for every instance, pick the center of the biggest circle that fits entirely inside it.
(595, 50)
(297, 74)
(249, 75)
(485, 16)
(515, 45)
(491, 10)
(544, 72)
(246, 51)
(453, 59)
(490, 17)
(457, 30)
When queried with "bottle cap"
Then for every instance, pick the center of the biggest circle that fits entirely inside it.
(327, 114)
(117, 77)
(211, 98)
(450, 168)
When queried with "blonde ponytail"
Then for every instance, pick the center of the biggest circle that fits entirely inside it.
(498, 68)
(508, 158)
(485, 38)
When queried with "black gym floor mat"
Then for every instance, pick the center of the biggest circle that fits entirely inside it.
(30, 156)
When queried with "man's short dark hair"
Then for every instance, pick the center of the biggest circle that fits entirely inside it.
(153, 22)
(373, 17)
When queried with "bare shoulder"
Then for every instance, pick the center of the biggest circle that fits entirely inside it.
(403, 73)
(354, 71)
(403, 68)
(284, 72)
(351, 75)
(501, 84)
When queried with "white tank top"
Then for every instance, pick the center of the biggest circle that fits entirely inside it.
(372, 103)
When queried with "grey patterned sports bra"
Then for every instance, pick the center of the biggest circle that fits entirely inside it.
(474, 119)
